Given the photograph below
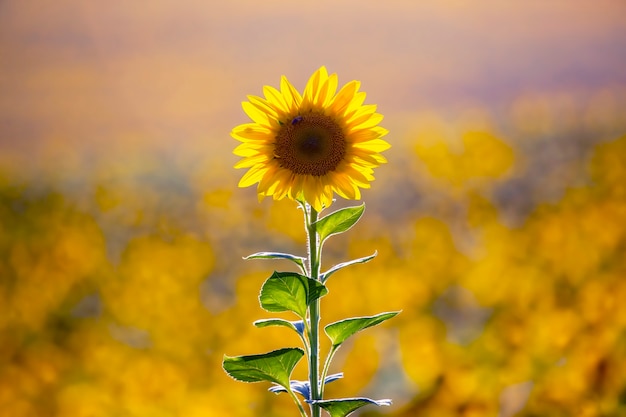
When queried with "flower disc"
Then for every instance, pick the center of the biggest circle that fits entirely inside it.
(307, 147)
(312, 144)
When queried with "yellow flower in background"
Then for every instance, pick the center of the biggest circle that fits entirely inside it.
(310, 146)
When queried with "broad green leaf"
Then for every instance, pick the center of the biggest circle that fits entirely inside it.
(339, 331)
(342, 265)
(289, 291)
(338, 221)
(345, 406)
(298, 260)
(273, 366)
(296, 326)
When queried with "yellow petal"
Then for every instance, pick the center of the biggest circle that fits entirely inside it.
(245, 152)
(369, 160)
(288, 179)
(359, 176)
(343, 186)
(376, 145)
(313, 85)
(364, 135)
(269, 182)
(291, 95)
(266, 107)
(295, 187)
(368, 155)
(252, 132)
(256, 115)
(275, 98)
(251, 149)
(326, 197)
(252, 160)
(360, 115)
(366, 121)
(253, 176)
(354, 105)
(344, 97)
(312, 189)
(327, 91)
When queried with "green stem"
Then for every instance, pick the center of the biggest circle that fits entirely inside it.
(314, 310)
(298, 403)
(329, 358)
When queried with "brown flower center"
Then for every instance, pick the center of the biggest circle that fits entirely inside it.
(312, 144)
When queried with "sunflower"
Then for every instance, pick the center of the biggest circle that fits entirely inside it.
(308, 147)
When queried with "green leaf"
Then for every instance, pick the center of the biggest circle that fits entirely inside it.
(345, 406)
(273, 366)
(298, 260)
(289, 291)
(342, 265)
(338, 221)
(339, 331)
(296, 326)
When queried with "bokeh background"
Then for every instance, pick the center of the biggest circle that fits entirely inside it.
(500, 220)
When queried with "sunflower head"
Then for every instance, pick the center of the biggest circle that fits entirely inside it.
(308, 146)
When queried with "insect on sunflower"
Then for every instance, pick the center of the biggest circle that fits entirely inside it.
(308, 147)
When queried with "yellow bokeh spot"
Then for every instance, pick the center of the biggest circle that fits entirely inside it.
(481, 156)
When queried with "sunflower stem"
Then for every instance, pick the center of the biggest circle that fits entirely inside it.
(314, 309)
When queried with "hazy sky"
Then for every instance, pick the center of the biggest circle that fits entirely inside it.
(90, 74)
